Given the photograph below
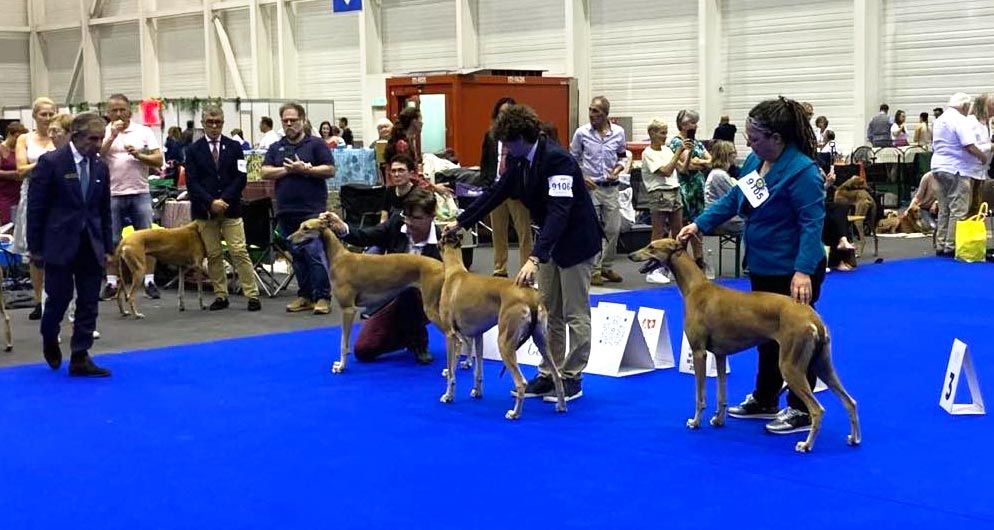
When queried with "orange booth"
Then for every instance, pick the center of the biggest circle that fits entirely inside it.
(469, 98)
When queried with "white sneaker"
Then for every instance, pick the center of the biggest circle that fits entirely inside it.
(96, 334)
(657, 276)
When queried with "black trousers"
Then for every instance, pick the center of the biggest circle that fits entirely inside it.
(769, 381)
(836, 227)
(83, 274)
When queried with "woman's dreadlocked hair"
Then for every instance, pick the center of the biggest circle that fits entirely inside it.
(787, 118)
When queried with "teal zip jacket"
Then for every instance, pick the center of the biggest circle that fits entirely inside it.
(782, 235)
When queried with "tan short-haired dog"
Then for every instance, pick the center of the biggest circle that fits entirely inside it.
(472, 304)
(181, 247)
(726, 321)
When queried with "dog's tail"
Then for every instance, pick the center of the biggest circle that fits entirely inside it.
(822, 340)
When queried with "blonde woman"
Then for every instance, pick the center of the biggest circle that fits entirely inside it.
(720, 182)
(980, 116)
(29, 149)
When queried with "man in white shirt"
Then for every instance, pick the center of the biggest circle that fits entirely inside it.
(130, 150)
(269, 135)
(955, 159)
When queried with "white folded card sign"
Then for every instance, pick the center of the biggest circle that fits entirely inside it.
(687, 361)
(959, 360)
(656, 331)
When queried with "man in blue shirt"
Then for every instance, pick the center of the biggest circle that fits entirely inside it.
(549, 182)
(300, 164)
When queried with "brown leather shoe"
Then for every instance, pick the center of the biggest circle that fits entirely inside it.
(322, 307)
(611, 276)
(300, 304)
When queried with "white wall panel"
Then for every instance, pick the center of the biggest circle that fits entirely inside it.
(328, 65)
(523, 34)
(236, 24)
(60, 11)
(59, 49)
(15, 12)
(15, 80)
(176, 4)
(180, 48)
(118, 55)
(801, 50)
(117, 7)
(933, 49)
(643, 58)
(419, 35)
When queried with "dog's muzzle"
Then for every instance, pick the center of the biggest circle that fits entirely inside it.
(650, 266)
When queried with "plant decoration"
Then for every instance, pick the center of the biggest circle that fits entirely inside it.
(182, 104)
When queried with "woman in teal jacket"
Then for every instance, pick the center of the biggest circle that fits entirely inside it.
(784, 212)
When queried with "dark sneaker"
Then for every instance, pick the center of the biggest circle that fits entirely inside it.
(540, 386)
(152, 291)
(571, 390)
(254, 304)
(219, 304)
(789, 420)
(109, 292)
(35, 313)
(751, 409)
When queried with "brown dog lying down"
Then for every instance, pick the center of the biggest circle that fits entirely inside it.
(854, 192)
(726, 321)
(180, 247)
(907, 223)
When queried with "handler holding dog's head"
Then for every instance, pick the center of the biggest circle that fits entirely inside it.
(781, 196)
(549, 182)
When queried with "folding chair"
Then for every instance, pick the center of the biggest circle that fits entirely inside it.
(265, 245)
(362, 204)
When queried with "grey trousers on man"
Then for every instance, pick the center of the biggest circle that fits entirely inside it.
(953, 196)
(566, 295)
(609, 211)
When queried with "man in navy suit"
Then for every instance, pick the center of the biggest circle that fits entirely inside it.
(548, 180)
(69, 234)
(215, 178)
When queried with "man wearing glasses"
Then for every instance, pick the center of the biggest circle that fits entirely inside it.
(300, 164)
(215, 178)
(400, 323)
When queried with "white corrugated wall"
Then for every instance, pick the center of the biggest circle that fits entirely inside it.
(180, 49)
(118, 54)
(60, 11)
(419, 35)
(933, 49)
(15, 78)
(112, 8)
(328, 59)
(60, 49)
(801, 50)
(15, 12)
(236, 25)
(643, 58)
(523, 34)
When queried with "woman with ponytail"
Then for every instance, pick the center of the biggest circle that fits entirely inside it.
(784, 214)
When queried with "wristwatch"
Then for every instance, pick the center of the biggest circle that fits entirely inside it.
(534, 260)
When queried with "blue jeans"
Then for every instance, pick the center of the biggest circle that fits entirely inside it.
(136, 208)
(310, 263)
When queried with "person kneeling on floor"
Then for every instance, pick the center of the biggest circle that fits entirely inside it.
(401, 322)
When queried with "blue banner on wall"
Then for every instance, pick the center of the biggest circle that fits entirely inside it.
(343, 6)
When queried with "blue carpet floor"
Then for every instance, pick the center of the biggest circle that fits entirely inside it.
(256, 433)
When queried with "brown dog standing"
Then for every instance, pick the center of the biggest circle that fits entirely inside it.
(180, 247)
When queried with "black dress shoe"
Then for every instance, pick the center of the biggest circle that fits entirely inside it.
(421, 354)
(53, 355)
(109, 292)
(35, 313)
(152, 291)
(254, 304)
(219, 304)
(83, 366)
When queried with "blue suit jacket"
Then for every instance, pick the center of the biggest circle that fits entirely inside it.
(569, 231)
(58, 214)
(207, 182)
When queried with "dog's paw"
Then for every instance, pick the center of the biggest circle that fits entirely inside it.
(802, 447)
(717, 421)
(851, 440)
(446, 398)
(445, 373)
(511, 415)
(139, 316)
(476, 393)
(693, 423)
(465, 365)
(338, 367)
(560, 407)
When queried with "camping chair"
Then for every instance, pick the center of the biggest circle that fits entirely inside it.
(362, 204)
(265, 245)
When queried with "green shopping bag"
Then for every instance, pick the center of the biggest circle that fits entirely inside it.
(971, 237)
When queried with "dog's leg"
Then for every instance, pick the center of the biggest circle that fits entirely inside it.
(477, 352)
(182, 288)
(826, 372)
(121, 300)
(137, 275)
(348, 315)
(200, 287)
(795, 356)
(453, 344)
(466, 357)
(538, 338)
(510, 358)
(700, 378)
(720, 363)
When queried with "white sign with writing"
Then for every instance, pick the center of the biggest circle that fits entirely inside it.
(959, 360)
(687, 360)
(754, 188)
(657, 336)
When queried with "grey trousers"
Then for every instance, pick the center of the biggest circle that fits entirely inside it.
(609, 211)
(566, 295)
(953, 196)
